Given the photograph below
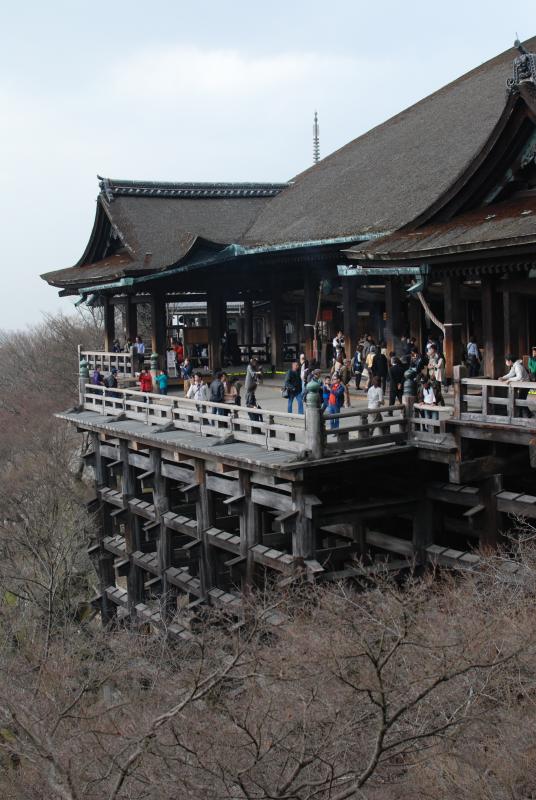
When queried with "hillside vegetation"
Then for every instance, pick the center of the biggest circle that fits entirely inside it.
(381, 690)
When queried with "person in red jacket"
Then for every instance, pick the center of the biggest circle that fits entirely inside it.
(146, 381)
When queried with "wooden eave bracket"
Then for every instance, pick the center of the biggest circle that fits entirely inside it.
(118, 511)
(144, 475)
(115, 463)
(473, 511)
(122, 566)
(191, 491)
(190, 545)
(152, 582)
(233, 562)
(150, 525)
(234, 501)
(287, 520)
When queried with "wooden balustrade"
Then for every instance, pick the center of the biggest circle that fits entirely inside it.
(272, 430)
(124, 363)
(420, 422)
(387, 424)
(486, 400)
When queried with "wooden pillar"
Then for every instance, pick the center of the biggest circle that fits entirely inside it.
(216, 327)
(131, 319)
(424, 527)
(276, 324)
(250, 526)
(303, 545)
(491, 522)
(105, 562)
(109, 324)
(453, 320)
(492, 332)
(158, 326)
(415, 321)
(161, 505)
(248, 321)
(310, 304)
(515, 337)
(393, 321)
(203, 513)
(132, 531)
(349, 305)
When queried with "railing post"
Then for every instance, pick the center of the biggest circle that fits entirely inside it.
(408, 401)
(459, 372)
(510, 408)
(315, 432)
(82, 380)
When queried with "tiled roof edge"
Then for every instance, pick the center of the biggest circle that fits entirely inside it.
(111, 188)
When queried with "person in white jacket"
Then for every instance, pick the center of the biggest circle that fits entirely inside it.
(198, 389)
(517, 373)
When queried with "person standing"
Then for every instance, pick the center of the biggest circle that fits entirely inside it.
(231, 393)
(161, 381)
(335, 400)
(357, 365)
(216, 393)
(198, 390)
(473, 358)
(146, 381)
(96, 377)
(436, 365)
(293, 388)
(396, 380)
(517, 373)
(380, 368)
(253, 374)
(375, 398)
(186, 374)
(139, 349)
(429, 394)
(532, 364)
(345, 375)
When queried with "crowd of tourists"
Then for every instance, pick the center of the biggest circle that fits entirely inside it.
(380, 374)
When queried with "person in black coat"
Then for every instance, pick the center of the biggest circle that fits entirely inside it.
(380, 368)
(396, 380)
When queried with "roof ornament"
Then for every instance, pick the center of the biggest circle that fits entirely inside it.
(105, 187)
(524, 68)
(316, 140)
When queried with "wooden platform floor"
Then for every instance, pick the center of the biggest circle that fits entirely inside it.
(214, 449)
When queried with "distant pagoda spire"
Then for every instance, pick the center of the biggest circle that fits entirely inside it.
(316, 140)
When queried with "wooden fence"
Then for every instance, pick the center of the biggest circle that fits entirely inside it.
(388, 424)
(274, 431)
(485, 400)
(125, 363)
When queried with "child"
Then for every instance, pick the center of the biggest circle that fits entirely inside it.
(162, 382)
(335, 400)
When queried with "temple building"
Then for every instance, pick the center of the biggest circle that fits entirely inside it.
(425, 223)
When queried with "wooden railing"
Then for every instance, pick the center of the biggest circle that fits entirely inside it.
(485, 400)
(384, 425)
(421, 420)
(274, 431)
(124, 363)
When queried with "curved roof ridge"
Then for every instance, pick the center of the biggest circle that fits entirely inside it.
(117, 187)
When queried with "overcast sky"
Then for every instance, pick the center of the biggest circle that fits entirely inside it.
(206, 90)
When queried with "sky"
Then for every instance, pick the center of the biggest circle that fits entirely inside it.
(199, 91)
